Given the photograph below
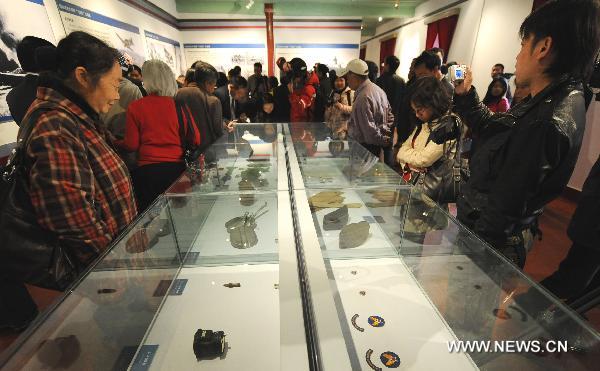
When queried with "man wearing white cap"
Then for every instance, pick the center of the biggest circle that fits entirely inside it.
(371, 118)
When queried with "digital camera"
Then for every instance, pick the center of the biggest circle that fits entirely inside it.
(457, 72)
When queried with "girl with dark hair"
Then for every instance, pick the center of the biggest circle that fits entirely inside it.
(495, 98)
(265, 107)
(339, 107)
(434, 140)
(427, 157)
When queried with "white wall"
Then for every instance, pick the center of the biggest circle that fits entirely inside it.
(168, 6)
(498, 40)
(254, 32)
(123, 12)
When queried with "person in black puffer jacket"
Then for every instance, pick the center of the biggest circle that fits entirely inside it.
(525, 157)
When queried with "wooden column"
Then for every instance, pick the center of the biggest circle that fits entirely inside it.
(270, 40)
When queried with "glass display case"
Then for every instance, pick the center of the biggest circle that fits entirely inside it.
(406, 281)
(308, 254)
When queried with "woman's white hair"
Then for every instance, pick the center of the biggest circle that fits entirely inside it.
(158, 78)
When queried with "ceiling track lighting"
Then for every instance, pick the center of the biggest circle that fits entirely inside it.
(397, 4)
(380, 19)
(249, 5)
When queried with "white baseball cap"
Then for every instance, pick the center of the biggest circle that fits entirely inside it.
(356, 66)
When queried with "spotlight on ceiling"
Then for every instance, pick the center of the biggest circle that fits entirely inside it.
(362, 27)
(249, 5)
(397, 4)
(380, 19)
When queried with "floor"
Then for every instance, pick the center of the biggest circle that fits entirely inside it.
(541, 262)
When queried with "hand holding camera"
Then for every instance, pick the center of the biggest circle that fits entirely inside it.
(462, 78)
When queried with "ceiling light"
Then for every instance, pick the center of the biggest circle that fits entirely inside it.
(396, 5)
(380, 19)
(361, 27)
(249, 5)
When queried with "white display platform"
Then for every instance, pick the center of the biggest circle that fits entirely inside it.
(249, 316)
(214, 240)
(413, 329)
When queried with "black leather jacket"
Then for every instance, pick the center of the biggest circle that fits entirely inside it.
(523, 160)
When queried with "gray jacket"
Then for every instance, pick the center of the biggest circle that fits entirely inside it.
(371, 119)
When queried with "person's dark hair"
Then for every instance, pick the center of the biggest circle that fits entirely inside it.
(238, 82)
(573, 27)
(80, 49)
(322, 69)
(298, 67)
(489, 98)
(280, 62)
(373, 70)
(499, 65)
(26, 50)
(266, 98)
(332, 76)
(429, 59)
(222, 79)
(189, 75)
(45, 58)
(136, 68)
(273, 82)
(258, 64)
(429, 92)
(231, 73)
(436, 50)
(392, 62)
(205, 72)
(285, 80)
(237, 69)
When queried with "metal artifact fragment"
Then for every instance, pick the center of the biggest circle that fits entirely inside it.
(354, 235)
(336, 219)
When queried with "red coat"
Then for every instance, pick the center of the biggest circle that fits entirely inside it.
(152, 130)
(302, 101)
(501, 106)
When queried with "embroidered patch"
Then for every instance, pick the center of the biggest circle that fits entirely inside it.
(390, 359)
(376, 321)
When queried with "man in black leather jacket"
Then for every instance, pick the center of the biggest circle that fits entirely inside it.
(525, 157)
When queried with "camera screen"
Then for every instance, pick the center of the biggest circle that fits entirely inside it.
(458, 73)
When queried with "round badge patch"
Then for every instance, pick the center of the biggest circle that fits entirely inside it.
(390, 359)
(376, 321)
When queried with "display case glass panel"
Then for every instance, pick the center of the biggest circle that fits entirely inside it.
(408, 280)
(100, 322)
(327, 161)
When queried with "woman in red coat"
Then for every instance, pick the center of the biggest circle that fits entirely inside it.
(152, 130)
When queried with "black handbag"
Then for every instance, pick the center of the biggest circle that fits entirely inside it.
(442, 181)
(187, 133)
(28, 252)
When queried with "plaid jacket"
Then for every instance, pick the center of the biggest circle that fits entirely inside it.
(79, 190)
